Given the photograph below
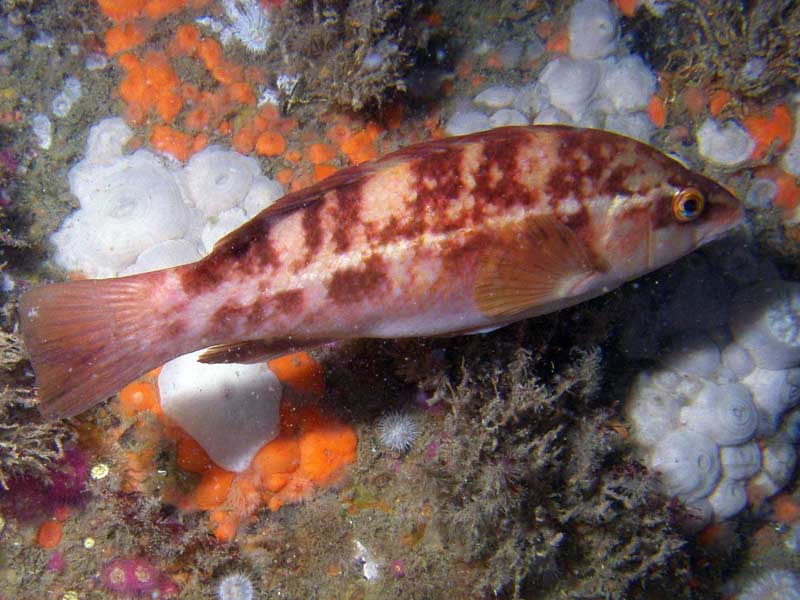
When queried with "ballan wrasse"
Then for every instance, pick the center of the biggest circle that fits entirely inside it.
(452, 236)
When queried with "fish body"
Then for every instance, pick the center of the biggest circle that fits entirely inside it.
(451, 236)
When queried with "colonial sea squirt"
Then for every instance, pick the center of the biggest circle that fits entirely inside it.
(452, 236)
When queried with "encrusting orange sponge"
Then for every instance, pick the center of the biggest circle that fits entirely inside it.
(309, 454)
(775, 129)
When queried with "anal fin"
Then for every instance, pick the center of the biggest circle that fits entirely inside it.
(256, 351)
(537, 262)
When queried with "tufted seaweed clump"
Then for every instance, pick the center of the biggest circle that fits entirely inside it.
(747, 48)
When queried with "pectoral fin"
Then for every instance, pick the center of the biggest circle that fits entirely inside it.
(534, 263)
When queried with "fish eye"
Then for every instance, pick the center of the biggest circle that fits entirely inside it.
(688, 204)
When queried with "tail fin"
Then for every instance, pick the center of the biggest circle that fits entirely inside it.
(87, 339)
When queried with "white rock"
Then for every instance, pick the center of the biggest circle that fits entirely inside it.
(497, 96)
(687, 464)
(628, 84)
(765, 320)
(592, 29)
(571, 84)
(218, 179)
(727, 145)
(170, 253)
(467, 121)
(729, 498)
(507, 116)
(740, 462)
(636, 125)
(230, 410)
(725, 413)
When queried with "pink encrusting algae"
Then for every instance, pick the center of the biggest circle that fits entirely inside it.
(453, 236)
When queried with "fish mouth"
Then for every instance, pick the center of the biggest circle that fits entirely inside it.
(726, 214)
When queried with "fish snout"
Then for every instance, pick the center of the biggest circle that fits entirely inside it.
(725, 212)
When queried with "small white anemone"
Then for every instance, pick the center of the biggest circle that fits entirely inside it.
(236, 586)
(250, 24)
(397, 431)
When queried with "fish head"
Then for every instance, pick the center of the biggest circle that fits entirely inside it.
(663, 212)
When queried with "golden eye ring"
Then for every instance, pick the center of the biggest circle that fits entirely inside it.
(688, 204)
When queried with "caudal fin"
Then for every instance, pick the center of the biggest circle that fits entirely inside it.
(88, 339)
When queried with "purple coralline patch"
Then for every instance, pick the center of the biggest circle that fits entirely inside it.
(397, 568)
(29, 498)
(136, 577)
(56, 563)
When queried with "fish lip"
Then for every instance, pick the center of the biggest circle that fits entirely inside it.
(732, 220)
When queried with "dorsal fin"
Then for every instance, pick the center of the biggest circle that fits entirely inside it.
(425, 151)
(538, 262)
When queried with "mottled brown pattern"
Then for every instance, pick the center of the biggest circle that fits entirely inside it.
(289, 302)
(438, 183)
(352, 285)
(501, 155)
(239, 317)
(312, 228)
(661, 212)
(346, 207)
(247, 250)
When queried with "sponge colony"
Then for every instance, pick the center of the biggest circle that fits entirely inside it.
(231, 410)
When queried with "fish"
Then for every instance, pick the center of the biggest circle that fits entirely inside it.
(452, 236)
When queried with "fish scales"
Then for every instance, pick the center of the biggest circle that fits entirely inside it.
(451, 236)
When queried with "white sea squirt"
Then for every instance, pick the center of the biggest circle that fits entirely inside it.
(218, 179)
(727, 145)
(571, 84)
(728, 498)
(652, 411)
(740, 462)
(126, 207)
(592, 29)
(772, 585)
(230, 409)
(687, 464)
(765, 319)
(725, 413)
(779, 461)
(774, 392)
(695, 355)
